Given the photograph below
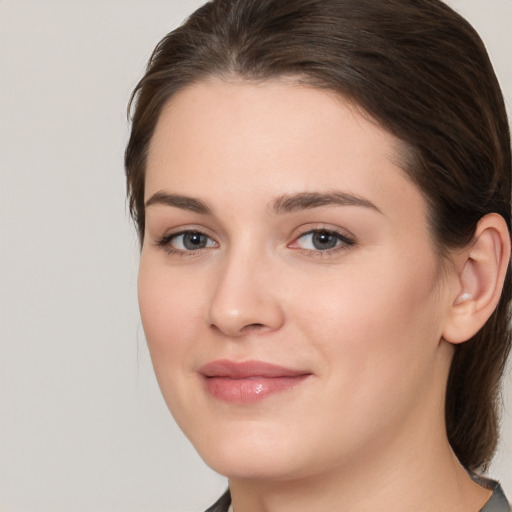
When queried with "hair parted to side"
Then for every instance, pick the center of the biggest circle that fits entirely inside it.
(423, 73)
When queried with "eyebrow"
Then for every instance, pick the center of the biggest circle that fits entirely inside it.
(177, 201)
(286, 203)
(306, 200)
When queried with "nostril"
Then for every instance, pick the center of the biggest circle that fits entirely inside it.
(252, 327)
(246, 329)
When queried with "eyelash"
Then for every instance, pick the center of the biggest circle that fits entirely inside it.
(166, 240)
(343, 242)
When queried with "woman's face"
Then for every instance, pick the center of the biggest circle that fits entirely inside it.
(289, 291)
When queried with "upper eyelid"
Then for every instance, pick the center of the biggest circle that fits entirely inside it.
(311, 228)
(173, 234)
(180, 230)
(341, 236)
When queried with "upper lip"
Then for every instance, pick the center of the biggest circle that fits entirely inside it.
(246, 369)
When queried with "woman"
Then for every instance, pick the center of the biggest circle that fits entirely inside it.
(322, 194)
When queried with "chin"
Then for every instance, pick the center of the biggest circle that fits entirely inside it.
(247, 454)
(254, 466)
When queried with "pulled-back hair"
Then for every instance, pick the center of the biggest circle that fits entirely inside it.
(423, 73)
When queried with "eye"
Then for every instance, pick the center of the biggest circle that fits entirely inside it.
(321, 240)
(187, 241)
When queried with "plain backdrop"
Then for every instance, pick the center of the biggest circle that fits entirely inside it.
(82, 423)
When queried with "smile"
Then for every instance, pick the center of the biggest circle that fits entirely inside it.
(249, 381)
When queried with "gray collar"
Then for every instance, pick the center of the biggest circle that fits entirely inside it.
(497, 502)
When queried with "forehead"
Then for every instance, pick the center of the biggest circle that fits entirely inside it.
(268, 106)
(228, 140)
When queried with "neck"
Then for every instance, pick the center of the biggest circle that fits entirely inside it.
(404, 486)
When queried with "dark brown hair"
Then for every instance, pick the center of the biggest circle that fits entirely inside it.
(423, 73)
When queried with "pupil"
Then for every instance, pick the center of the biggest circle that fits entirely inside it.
(324, 240)
(193, 241)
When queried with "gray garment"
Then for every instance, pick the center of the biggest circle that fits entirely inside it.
(497, 502)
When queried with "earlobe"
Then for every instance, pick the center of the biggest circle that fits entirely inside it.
(481, 270)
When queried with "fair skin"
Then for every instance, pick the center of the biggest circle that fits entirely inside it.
(280, 229)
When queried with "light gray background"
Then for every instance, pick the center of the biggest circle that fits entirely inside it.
(82, 423)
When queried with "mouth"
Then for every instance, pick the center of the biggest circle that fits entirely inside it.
(249, 381)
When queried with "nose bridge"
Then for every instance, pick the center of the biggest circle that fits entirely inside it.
(243, 295)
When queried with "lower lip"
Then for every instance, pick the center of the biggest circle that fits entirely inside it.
(250, 389)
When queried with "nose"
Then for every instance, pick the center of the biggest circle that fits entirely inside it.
(245, 297)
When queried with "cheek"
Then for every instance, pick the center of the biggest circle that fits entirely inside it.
(377, 334)
(377, 319)
(169, 312)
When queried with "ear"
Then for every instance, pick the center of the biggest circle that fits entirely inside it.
(480, 273)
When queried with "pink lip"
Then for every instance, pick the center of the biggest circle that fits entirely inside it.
(248, 381)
